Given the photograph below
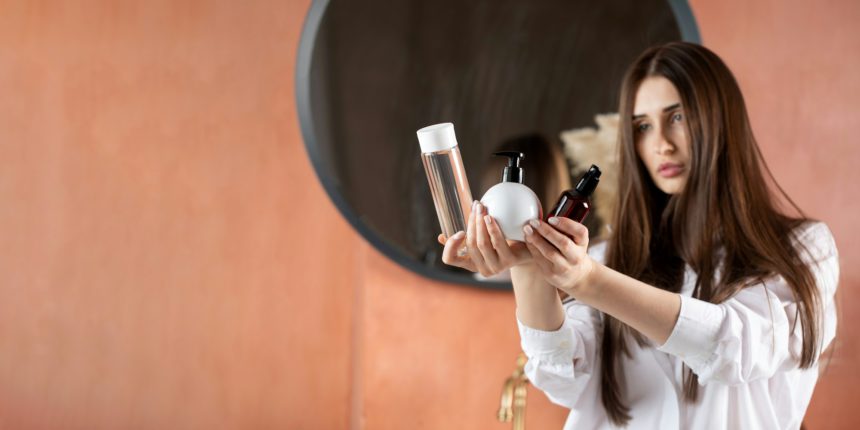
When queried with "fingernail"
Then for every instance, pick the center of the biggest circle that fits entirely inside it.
(488, 219)
(474, 204)
(458, 234)
(479, 207)
(528, 230)
(553, 220)
(535, 223)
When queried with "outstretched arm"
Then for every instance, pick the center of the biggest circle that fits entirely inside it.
(538, 304)
(488, 253)
(747, 337)
(560, 254)
(561, 342)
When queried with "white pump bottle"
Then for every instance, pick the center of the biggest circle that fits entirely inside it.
(511, 203)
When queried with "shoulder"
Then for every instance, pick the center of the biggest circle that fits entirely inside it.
(811, 229)
(814, 240)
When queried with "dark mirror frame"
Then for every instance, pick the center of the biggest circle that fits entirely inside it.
(686, 25)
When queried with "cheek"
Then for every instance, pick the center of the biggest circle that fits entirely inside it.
(644, 155)
(682, 141)
(640, 149)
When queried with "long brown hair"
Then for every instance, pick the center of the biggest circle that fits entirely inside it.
(726, 203)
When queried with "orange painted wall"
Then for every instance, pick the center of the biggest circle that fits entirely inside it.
(798, 65)
(165, 252)
(169, 260)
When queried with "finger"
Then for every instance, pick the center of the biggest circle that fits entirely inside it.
(485, 244)
(498, 240)
(538, 258)
(561, 242)
(543, 247)
(449, 253)
(441, 238)
(472, 241)
(575, 230)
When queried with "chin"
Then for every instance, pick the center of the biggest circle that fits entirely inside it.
(671, 188)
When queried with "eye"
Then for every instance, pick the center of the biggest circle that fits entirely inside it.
(642, 127)
(676, 117)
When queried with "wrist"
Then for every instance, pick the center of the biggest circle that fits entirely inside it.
(586, 283)
(527, 277)
(524, 274)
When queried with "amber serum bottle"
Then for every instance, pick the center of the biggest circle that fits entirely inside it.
(575, 203)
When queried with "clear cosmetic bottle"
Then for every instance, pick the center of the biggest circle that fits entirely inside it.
(446, 176)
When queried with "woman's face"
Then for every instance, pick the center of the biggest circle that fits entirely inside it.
(660, 134)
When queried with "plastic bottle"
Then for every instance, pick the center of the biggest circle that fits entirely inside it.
(511, 203)
(446, 176)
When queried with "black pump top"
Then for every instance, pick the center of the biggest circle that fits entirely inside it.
(513, 172)
(589, 181)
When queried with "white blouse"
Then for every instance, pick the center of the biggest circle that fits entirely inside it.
(745, 352)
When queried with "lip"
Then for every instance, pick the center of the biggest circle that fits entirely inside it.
(670, 170)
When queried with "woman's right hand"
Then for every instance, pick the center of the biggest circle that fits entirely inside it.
(487, 251)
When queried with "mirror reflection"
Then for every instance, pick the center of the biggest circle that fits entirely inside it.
(533, 77)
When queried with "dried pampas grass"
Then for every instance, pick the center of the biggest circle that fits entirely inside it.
(586, 146)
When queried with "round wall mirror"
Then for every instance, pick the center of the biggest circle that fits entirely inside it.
(509, 74)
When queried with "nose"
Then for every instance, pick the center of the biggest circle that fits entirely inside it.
(664, 145)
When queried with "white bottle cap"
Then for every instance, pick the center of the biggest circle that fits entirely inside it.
(437, 137)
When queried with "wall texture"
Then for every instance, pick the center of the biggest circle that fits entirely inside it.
(169, 260)
(797, 65)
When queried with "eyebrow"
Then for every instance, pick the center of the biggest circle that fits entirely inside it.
(665, 109)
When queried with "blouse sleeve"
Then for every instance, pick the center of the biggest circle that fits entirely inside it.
(753, 335)
(561, 363)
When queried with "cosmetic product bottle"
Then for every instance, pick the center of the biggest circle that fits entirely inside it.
(511, 203)
(575, 203)
(446, 176)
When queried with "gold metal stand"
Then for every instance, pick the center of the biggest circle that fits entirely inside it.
(513, 404)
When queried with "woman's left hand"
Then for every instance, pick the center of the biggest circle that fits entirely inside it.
(560, 252)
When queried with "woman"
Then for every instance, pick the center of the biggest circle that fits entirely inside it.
(707, 307)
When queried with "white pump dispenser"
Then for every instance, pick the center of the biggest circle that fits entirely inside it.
(511, 203)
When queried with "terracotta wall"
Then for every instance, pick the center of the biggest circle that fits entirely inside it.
(798, 66)
(169, 260)
(165, 251)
